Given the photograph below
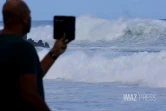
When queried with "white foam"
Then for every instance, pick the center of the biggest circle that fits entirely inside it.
(144, 68)
(94, 29)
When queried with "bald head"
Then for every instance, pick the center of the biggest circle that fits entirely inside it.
(15, 12)
(16, 17)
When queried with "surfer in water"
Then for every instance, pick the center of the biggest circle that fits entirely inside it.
(21, 71)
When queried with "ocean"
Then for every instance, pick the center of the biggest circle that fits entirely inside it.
(113, 65)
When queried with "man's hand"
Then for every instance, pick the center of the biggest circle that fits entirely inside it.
(60, 46)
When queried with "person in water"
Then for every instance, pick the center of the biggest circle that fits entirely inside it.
(21, 71)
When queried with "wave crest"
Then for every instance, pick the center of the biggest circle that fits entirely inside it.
(142, 68)
(92, 29)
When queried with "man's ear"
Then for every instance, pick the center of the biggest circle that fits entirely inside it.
(25, 21)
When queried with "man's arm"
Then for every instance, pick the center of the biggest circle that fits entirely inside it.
(58, 49)
(47, 62)
(29, 92)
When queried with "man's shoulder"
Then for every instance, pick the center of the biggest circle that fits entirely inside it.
(15, 42)
(26, 44)
(23, 46)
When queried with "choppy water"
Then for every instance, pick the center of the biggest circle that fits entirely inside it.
(108, 59)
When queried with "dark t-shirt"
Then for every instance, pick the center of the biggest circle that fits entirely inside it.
(17, 57)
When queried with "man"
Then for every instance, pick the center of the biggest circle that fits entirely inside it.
(21, 71)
